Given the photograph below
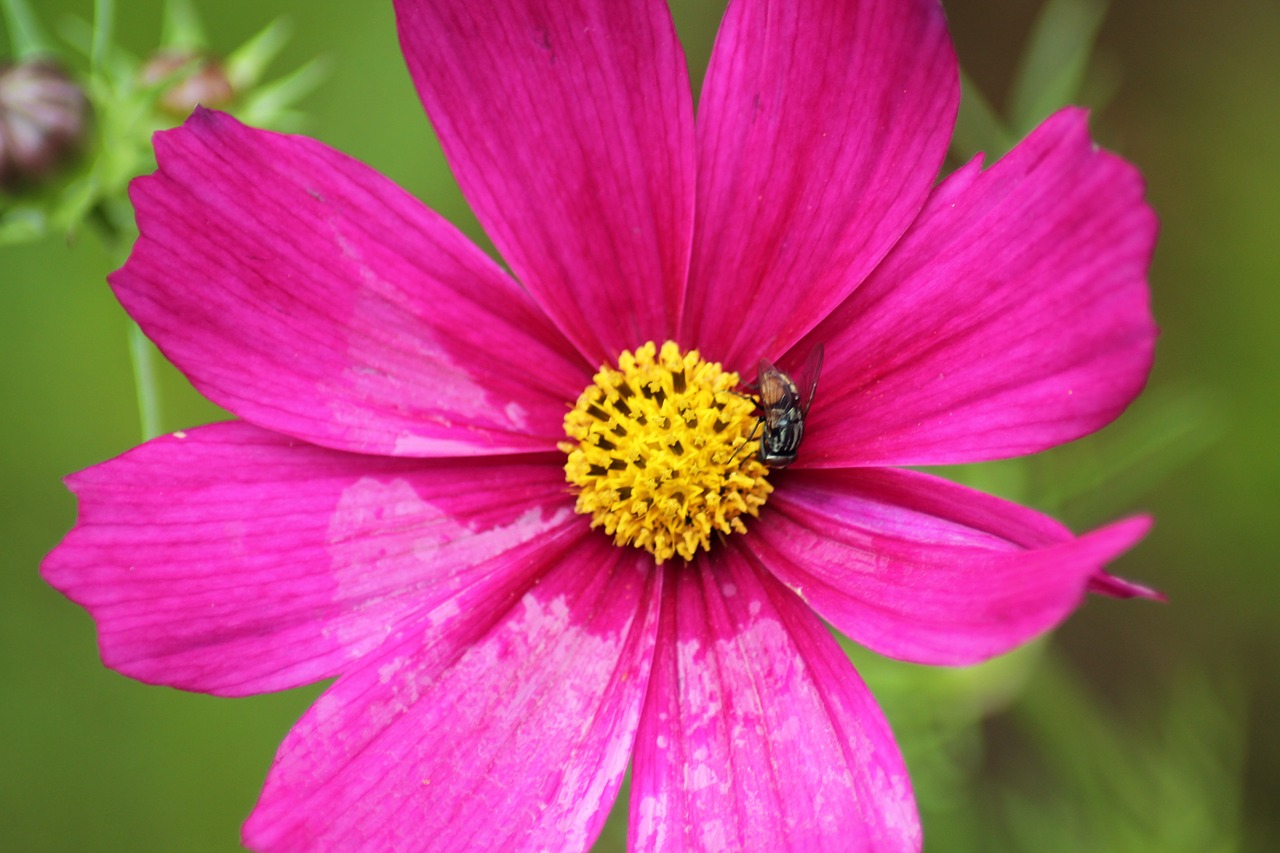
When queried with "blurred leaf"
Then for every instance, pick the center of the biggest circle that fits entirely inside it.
(270, 104)
(1164, 430)
(182, 29)
(21, 224)
(128, 111)
(26, 37)
(936, 714)
(1054, 63)
(1005, 478)
(978, 127)
(1171, 780)
(1108, 473)
(1101, 82)
(246, 63)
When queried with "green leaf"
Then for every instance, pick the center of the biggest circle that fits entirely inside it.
(22, 224)
(246, 63)
(1167, 778)
(1164, 430)
(26, 36)
(182, 29)
(978, 127)
(1054, 64)
(269, 105)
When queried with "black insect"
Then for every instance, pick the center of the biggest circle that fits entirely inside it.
(784, 403)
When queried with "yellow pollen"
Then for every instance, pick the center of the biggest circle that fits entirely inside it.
(661, 452)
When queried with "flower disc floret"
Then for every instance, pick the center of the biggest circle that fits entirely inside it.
(662, 453)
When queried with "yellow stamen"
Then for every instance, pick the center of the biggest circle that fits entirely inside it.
(661, 454)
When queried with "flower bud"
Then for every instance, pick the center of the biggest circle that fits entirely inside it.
(204, 82)
(43, 121)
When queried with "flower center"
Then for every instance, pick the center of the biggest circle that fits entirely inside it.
(662, 453)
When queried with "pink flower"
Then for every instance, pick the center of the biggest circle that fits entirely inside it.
(391, 509)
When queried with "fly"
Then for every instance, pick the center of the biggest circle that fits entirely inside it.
(784, 402)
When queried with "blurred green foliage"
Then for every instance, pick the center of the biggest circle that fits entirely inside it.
(131, 96)
(1138, 727)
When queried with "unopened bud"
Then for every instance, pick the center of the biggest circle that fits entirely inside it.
(43, 120)
(205, 82)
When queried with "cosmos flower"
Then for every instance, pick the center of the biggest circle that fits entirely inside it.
(521, 516)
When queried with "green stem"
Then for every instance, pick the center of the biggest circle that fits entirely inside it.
(142, 356)
(104, 18)
(26, 37)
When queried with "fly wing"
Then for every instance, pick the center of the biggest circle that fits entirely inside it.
(774, 385)
(807, 378)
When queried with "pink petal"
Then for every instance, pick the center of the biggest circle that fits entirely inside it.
(1013, 316)
(232, 560)
(821, 128)
(504, 721)
(1105, 583)
(921, 569)
(757, 734)
(569, 127)
(310, 295)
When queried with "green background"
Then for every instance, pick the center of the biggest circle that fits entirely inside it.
(1139, 727)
